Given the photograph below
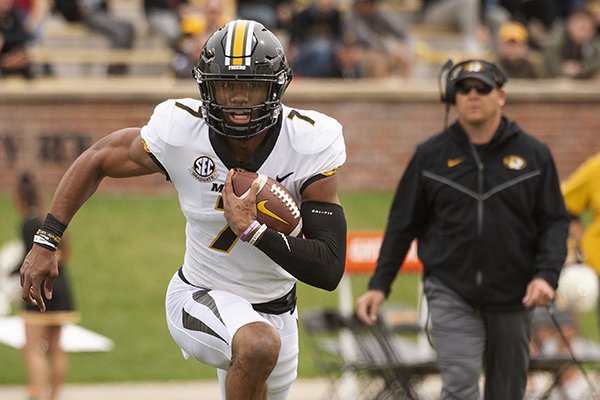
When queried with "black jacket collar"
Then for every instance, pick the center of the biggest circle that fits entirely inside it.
(505, 131)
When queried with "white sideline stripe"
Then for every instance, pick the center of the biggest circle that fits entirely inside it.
(74, 338)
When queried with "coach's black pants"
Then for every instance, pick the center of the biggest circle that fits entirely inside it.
(468, 341)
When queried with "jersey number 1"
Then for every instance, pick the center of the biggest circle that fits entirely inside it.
(226, 238)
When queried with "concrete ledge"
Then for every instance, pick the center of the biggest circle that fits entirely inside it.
(392, 90)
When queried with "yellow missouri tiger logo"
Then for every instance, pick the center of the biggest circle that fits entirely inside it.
(514, 162)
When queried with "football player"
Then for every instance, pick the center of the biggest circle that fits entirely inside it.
(232, 304)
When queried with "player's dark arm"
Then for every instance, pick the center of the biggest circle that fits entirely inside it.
(120, 154)
(318, 259)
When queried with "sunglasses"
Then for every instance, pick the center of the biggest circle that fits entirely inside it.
(481, 88)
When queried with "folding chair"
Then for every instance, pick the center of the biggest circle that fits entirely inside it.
(385, 367)
(397, 361)
(567, 351)
(323, 329)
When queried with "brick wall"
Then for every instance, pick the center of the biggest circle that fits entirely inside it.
(44, 128)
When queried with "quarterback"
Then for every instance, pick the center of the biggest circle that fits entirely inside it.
(232, 304)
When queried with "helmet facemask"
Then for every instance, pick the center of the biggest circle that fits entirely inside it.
(241, 96)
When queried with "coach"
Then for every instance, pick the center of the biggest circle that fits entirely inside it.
(483, 199)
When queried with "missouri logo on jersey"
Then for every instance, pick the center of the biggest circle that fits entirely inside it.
(514, 162)
(204, 169)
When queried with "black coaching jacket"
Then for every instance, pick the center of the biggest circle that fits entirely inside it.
(487, 220)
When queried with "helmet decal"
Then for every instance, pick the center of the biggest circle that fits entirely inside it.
(239, 43)
(242, 54)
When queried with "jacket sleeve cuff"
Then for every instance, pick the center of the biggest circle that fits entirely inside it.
(549, 276)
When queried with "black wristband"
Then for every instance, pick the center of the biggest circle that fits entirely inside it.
(50, 233)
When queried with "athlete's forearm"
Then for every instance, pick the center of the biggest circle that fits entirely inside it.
(318, 259)
(77, 185)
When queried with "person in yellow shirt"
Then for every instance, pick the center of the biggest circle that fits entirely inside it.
(198, 23)
(581, 192)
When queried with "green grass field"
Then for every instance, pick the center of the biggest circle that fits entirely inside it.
(124, 251)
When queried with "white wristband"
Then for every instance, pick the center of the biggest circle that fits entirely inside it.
(258, 234)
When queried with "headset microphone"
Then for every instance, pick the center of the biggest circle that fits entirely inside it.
(442, 78)
(442, 87)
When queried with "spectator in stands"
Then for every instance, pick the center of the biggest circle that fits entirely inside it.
(315, 34)
(514, 54)
(385, 41)
(95, 15)
(566, 7)
(537, 15)
(347, 59)
(493, 16)
(463, 15)
(545, 12)
(572, 49)
(341, 60)
(164, 18)
(196, 27)
(273, 14)
(32, 14)
(14, 56)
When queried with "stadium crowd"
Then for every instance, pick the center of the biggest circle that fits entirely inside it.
(341, 38)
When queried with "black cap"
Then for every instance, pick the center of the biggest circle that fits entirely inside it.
(483, 71)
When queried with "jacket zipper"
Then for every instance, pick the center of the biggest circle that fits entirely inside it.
(479, 271)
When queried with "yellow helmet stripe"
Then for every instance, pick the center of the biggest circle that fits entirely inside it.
(239, 42)
(239, 34)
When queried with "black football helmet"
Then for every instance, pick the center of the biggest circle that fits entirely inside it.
(243, 56)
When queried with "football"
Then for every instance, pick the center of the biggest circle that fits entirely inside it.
(275, 205)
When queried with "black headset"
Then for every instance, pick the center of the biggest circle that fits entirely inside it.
(450, 72)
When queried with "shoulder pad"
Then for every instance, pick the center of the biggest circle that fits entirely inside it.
(173, 120)
(311, 131)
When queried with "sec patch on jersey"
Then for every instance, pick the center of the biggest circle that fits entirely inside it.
(275, 205)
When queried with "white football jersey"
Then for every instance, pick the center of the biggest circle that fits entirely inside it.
(308, 144)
